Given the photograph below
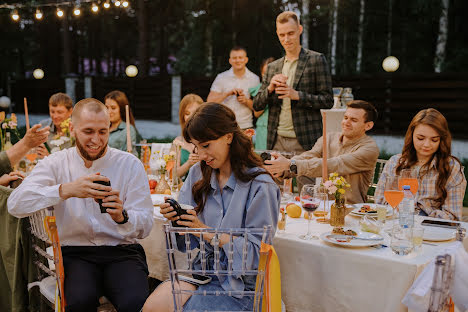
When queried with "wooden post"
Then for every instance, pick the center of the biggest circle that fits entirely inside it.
(324, 148)
(26, 115)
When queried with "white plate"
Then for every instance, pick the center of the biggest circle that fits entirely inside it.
(438, 234)
(158, 199)
(354, 242)
(356, 212)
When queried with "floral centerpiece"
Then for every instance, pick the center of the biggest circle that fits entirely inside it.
(336, 186)
(63, 139)
(7, 125)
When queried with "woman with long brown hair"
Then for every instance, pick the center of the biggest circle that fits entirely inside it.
(427, 149)
(229, 188)
(115, 102)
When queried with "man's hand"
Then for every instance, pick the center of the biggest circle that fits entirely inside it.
(85, 188)
(36, 136)
(277, 165)
(42, 151)
(287, 92)
(12, 176)
(241, 98)
(276, 81)
(114, 206)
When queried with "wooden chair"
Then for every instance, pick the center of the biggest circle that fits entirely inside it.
(379, 165)
(49, 261)
(178, 239)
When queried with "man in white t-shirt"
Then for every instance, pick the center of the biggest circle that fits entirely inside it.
(231, 88)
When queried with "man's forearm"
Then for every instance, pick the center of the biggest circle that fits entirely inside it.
(17, 152)
(217, 98)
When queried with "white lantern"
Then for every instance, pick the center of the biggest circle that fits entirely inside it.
(131, 71)
(390, 64)
(38, 73)
(5, 102)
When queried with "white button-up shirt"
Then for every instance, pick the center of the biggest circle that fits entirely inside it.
(226, 81)
(79, 220)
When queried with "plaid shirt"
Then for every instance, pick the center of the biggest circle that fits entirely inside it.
(313, 83)
(427, 192)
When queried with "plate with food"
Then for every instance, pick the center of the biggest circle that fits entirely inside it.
(351, 238)
(366, 209)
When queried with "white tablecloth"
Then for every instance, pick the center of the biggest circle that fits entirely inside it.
(317, 276)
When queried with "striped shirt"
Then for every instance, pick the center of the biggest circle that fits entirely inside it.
(427, 191)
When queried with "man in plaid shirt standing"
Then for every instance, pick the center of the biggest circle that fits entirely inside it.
(295, 88)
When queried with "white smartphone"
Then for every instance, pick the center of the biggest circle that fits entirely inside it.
(195, 279)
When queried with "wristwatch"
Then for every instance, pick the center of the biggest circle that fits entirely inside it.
(125, 219)
(293, 166)
(213, 240)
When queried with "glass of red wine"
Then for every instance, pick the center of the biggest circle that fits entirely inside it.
(310, 202)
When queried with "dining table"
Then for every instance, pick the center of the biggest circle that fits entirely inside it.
(320, 276)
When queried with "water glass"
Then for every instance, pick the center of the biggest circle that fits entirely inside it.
(418, 234)
(381, 213)
(401, 241)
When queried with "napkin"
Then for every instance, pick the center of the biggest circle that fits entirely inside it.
(418, 296)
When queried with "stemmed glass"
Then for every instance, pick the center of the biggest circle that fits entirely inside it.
(310, 201)
(392, 194)
(410, 177)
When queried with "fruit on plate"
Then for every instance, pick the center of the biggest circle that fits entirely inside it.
(297, 198)
(152, 191)
(153, 184)
(293, 210)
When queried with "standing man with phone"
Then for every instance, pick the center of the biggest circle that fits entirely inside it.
(231, 88)
(295, 88)
(101, 254)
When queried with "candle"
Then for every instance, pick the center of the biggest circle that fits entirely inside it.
(127, 121)
(324, 149)
(26, 115)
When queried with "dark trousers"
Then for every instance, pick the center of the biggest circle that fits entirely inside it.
(118, 272)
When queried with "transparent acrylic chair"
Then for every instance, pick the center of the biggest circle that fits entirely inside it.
(175, 235)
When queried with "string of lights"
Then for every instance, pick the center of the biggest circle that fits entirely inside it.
(94, 6)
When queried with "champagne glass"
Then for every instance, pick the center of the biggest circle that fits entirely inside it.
(322, 212)
(392, 194)
(410, 177)
(310, 202)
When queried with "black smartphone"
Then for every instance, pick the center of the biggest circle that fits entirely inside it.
(177, 208)
(103, 209)
(16, 183)
(440, 223)
(265, 156)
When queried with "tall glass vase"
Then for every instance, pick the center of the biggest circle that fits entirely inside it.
(338, 212)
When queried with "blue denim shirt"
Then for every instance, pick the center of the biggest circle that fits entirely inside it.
(252, 204)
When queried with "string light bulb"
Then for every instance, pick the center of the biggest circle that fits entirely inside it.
(38, 14)
(77, 11)
(15, 16)
(106, 5)
(95, 8)
(117, 3)
(59, 12)
(125, 4)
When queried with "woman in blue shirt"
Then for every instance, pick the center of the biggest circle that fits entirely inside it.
(229, 189)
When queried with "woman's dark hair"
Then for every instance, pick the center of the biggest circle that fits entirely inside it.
(210, 122)
(434, 119)
(121, 99)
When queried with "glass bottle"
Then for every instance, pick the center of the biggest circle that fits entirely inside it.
(347, 97)
(8, 144)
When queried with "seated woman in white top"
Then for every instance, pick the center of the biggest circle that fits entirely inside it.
(427, 149)
(229, 189)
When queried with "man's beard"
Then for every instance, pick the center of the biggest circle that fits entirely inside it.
(85, 154)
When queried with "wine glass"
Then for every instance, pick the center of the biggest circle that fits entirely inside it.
(310, 202)
(392, 194)
(410, 177)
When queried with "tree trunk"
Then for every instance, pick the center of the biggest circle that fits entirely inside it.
(305, 23)
(441, 37)
(143, 38)
(360, 36)
(333, 41)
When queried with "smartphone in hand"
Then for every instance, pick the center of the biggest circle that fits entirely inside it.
(103, 209)
(178, 209)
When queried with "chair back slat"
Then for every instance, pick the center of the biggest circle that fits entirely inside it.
(379, 166)
(208, 253)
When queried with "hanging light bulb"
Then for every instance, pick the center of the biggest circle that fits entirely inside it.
(15, 16)
(77, 11)
(59, 12)
(117, 3)
(106, 5)
(38, 14)
(125, 4)
(95, 8)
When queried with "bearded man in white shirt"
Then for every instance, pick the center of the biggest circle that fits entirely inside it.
(100, 250)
